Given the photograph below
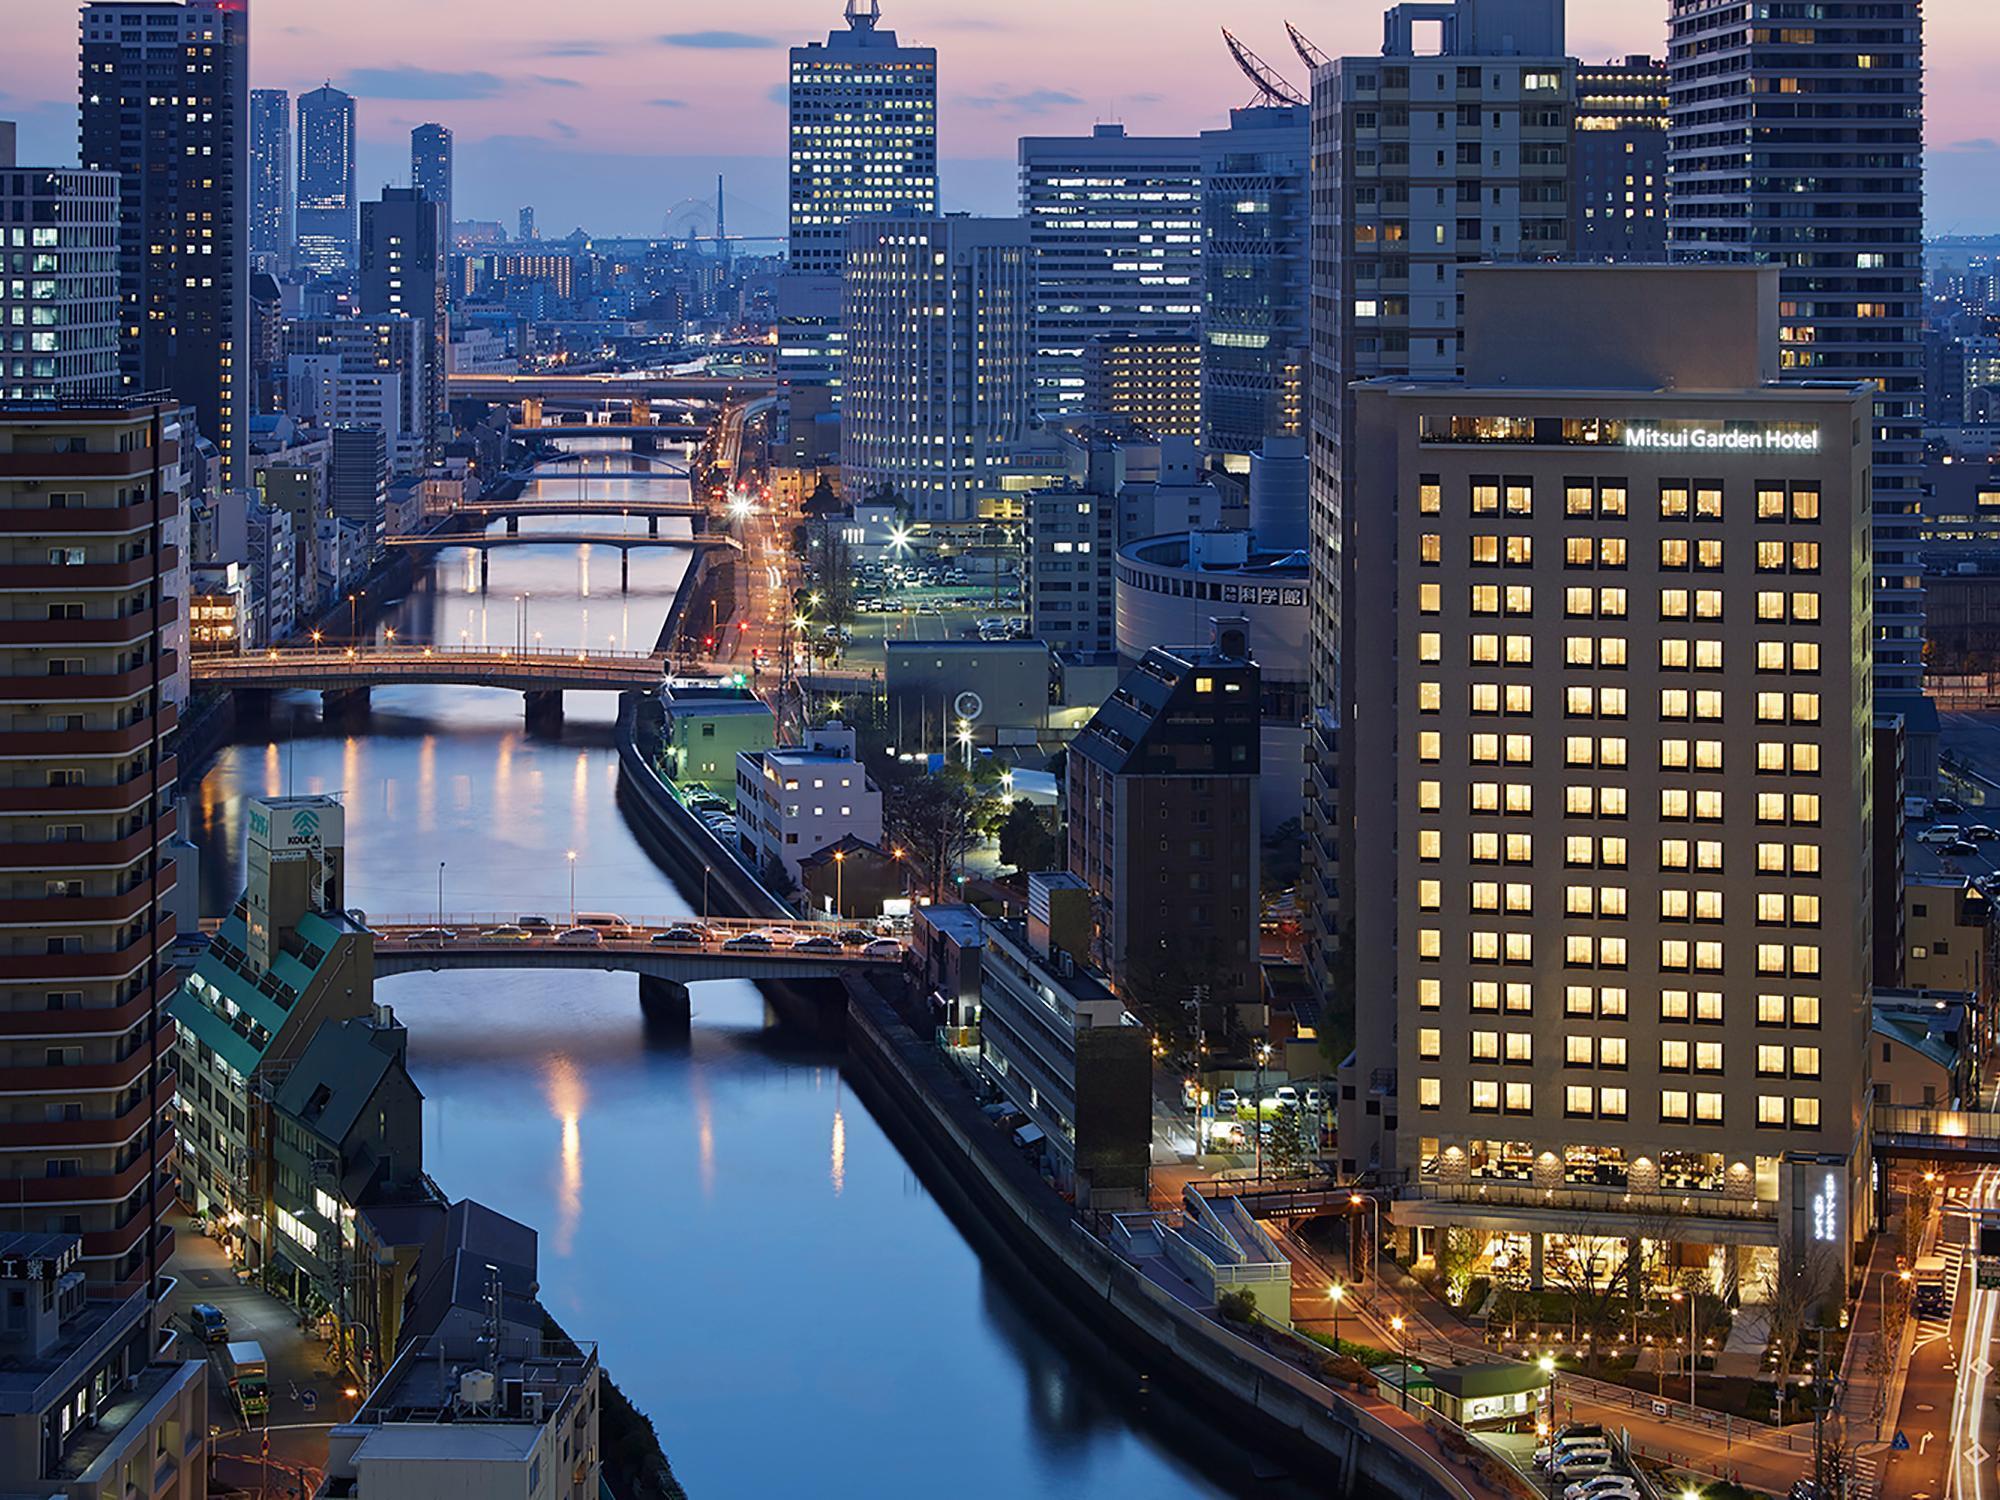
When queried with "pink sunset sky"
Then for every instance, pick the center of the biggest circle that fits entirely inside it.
(614, 113)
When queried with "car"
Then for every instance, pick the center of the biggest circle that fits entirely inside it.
(819, 943)
(680, 937)
(1941, 833)
(1603, 1487)
(580, 937)
(1959, 848)
(1948, 805)
(1982, 833)
(883, 948)
(507, 932)
(1931, 1300)
(432, 937)
(1581, 1463)
(1566, 1443)
(748, 942)
(208, 1323)
(1288, 1097)
(1227, 1102)
(535, 924)
(855, 937)
(1315, 1100)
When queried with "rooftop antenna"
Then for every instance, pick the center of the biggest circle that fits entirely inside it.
(1271, 87)
(863, 14)
(1313, 57)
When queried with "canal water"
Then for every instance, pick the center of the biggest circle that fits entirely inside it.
(762, 1272)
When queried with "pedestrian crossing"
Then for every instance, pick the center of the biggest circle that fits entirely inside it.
(1937, 1325)
(1867, 1480)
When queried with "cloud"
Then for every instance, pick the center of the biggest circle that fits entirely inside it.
(421, 83)
(561, 128)
(1977, 143)
(668, 103)
(571, 49)
(550, 81)
(779, 93)
(718, 41)
(1019, 106)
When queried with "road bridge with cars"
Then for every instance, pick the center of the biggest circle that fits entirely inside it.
(343, 676)
(667, 954)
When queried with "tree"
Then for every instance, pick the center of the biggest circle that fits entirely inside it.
(1028, 839)
(1457, 1250)
(935, 818)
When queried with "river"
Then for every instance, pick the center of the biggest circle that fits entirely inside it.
(764, 1275)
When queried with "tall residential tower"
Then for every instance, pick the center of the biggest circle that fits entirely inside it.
(329, 207)
(182, 157)
(273, 231)
(430, 171)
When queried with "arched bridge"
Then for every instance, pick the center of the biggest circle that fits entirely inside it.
(410, 945)
(344, 675)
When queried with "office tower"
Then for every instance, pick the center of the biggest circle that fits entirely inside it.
(357, 487)
(1618, 203)
(1420, 164)
(863, 133)
(328, 205)
(63, 318)
(1801, 146)
(938, 315)
(286, 959)
(525, 229)
(1067, 581)
(87, 804)
(273, 231)
(1256, 239)
(1146, 383)
(1116, 226)
(182, 160)
(403, 262)
(430, 172)
(1611, 791)
(361, 370)
(1163, 823)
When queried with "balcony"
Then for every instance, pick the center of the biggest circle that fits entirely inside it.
(75, 744)
(85, 1078)
(69, 911)
(122, 631)
(110, 1244)
(116, 797)
(86, 687)
(115, 464)
(110, 1020)
(27, 968)
(84, 1190)
(31, 1134)
(89, 854)
(105, 575)
(94, 520)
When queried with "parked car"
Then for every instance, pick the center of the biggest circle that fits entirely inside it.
(681, 937)
(208, 1323)
(507, 932)
(1941, 833)
(431, 937)
(1981, 833)
(883, 948)
(1959, 848)
(581, 937)
(1567, 1442)
(1581, 1463)
(1949, 805)
(1288, 1097)
(1226, 1103)
(748, 942)
(1603, 1487)
(1315, 1100)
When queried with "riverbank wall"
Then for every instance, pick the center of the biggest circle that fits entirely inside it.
(1349, 1448)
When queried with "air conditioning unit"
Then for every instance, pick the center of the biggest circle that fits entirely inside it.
(531, 1406)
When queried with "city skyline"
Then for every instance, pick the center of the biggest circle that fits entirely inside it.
(561, 115)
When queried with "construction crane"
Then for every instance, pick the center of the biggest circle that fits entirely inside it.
(1314, 58)
(1271, 87)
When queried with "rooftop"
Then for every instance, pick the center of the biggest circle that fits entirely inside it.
(29, 1384)
(957, 921)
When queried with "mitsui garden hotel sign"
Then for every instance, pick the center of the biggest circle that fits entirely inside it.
(1717, 436)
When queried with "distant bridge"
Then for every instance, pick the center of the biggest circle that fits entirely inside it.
(343, 676)
(623, 540)
(618, 387)
(678, 432)
(531, 505)
(411, 945)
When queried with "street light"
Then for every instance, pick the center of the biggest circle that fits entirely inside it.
(1397, 1326)
(1678, 1295)
(1355, 1200)
(839, 867)
(1336, 1292)
(704, 892)
(440, 893)
(1548, 1368)
(572, 887)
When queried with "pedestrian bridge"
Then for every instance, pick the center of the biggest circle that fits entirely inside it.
(411, 945)
(1956, 1135)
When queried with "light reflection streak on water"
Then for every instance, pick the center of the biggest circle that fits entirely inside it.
(838, 1171)
(567, 1097)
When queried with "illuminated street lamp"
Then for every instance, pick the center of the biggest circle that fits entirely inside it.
(1336, 1293)
(965, 740)
(1398, 1327)
(1547, 1364)
(839, 868)
(572, 887)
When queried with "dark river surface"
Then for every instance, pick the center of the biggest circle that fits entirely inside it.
(762, 1272)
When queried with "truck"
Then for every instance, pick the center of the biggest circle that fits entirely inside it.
(1930, 1295)
(249, 1378)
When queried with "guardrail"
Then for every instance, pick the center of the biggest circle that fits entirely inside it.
(1528, 1195)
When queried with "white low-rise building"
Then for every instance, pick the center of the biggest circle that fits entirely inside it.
(794, 801)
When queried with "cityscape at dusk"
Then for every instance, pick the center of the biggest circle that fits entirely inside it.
(884, 745)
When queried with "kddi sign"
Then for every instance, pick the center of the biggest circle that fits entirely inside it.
(293, 827)
(1693, 437)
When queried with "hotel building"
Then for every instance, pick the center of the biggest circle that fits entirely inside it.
(1612, 783)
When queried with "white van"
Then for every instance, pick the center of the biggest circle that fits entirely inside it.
(608, 922)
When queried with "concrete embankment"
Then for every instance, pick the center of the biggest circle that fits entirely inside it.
(1350, 1446)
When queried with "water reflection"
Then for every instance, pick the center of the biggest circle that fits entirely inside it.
(567, 1095)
